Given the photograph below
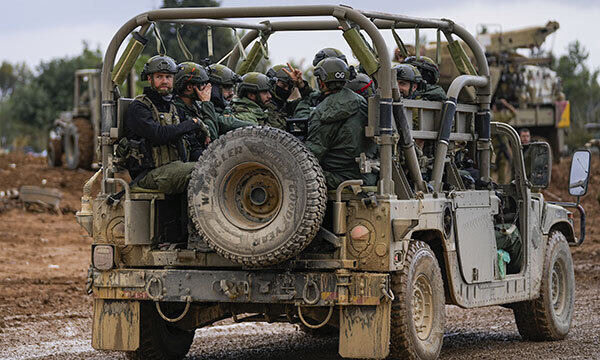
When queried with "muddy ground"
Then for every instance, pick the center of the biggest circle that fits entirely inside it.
(45, 313)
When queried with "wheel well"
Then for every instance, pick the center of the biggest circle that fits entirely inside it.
(564, 228)
(435, 239)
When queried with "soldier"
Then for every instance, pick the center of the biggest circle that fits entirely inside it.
(308, 103)
(431, 74)
(409, 80)
(362, 85)
(525, 136)
(252, 100)
(192, 99)
(223, 81)
(152, 126)
(283, 79)
(336, 129)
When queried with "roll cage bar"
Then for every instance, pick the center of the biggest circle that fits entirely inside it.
(388, 95)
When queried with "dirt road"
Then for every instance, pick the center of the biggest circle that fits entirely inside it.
(45, 314)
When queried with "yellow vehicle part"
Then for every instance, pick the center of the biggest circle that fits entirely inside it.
(563, 111)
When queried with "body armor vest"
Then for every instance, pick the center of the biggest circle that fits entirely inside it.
(167, 153)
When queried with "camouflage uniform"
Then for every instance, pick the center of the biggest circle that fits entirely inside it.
(336, 137)
(248, 111)
(223, 122)
(501, 149)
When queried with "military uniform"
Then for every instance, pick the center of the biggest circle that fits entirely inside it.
(248, 111)
(432, 93)
(336, 137)
(204, 112)
(307, 104)
(154, 120)
(224, 120)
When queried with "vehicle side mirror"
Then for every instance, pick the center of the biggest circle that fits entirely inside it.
(580, 172)
(538, 164)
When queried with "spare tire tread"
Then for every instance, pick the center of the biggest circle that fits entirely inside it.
(316, 198)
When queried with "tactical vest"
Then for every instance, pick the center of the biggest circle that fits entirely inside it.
(162, 154)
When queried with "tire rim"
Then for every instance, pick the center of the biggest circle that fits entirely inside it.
(252, 195)
(422, 307)
(558, 293)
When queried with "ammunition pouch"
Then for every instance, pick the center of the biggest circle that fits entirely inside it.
(133, 155)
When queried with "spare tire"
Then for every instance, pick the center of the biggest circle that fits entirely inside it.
(257, 196)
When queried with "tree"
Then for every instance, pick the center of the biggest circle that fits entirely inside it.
(35, 102)
(193, 36)
(580, 84)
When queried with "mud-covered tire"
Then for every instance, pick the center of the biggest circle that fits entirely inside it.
(70, 139)
(257, 196)
(85, 143)
(549, 316)
(54, 151)
(418, 311)
(79, 144)
(160, 340)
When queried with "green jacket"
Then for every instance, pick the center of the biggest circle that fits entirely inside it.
(432, 93)
(224, 122)
(307, 104)
(336, 135)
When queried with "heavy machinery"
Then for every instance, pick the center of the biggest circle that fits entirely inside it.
(378, 263)
(526, 83)
(75, 132)
(73, 137)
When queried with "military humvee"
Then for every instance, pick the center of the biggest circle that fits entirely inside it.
(376, 263)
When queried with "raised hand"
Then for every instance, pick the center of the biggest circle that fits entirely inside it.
(296, 75)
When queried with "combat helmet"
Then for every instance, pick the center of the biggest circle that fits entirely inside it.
(189, 73)
(362, 85)
(159, 63)
(327, 53)
(222, 75)
(429, 70)
(253, 82)
(277, 73)
(408, 72)
(332, 71)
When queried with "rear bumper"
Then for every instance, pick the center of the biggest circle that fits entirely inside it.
(341, 287)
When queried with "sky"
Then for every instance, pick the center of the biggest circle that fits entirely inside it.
(39, 30)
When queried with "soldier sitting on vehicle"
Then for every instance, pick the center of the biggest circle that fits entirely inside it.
(336, 130)
(283, 79)
(223, 81)
(152, 127)
(192, 100)
(362, 84)
(253, 98)
(431, 74)
(308, 103)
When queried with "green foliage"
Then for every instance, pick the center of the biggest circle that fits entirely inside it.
(194, 36)
(35, 102)
(580, 85)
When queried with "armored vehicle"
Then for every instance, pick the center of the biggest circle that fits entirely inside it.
(376, 263)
